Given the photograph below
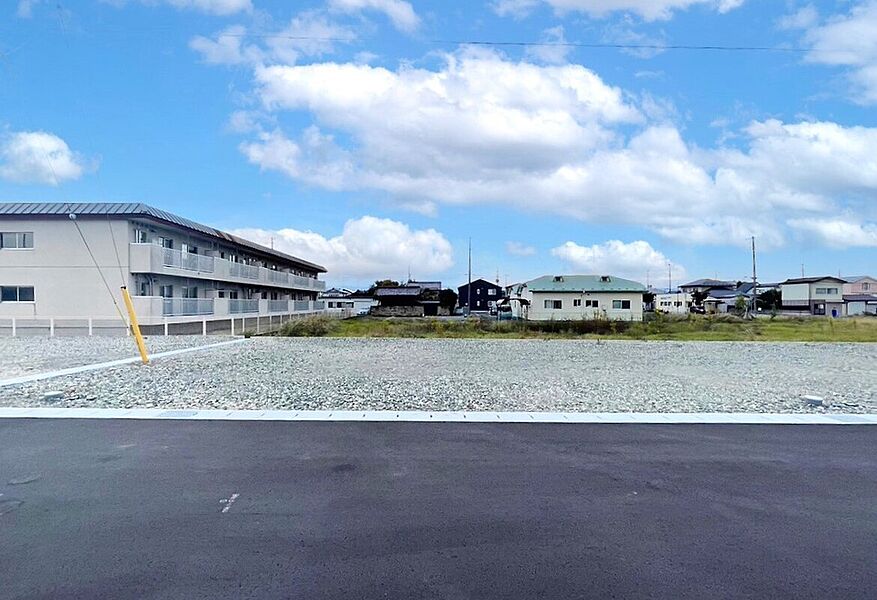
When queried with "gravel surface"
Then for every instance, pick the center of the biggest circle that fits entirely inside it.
(25, 355)
(513, 375)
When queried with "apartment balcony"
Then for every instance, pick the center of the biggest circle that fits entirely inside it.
(155, 309)
(151, 258)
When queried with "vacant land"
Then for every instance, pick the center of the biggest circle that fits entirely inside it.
(482, 374)
(692, 328)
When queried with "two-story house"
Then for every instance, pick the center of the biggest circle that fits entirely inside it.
(816, 295)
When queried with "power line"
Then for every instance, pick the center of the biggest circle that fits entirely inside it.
(591, 45)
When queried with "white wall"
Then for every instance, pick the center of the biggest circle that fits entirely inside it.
(65, 280)
(795, 294)
(538, 312)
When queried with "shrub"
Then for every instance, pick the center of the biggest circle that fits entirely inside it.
(312, 326)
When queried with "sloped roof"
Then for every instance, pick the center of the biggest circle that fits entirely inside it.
(857, 278)
(709, 283)
(860, 298)
(812, 280)
(397, 291)
(584, 283)
(138, 209)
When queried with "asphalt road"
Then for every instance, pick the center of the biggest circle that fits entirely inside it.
(177, 509)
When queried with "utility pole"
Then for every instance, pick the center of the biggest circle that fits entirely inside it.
(802, 269)
(754, 281)
(669, 278)
(469, 287)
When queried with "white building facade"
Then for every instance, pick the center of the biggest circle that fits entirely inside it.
(177, 271)
(582, 297)
(821, 296)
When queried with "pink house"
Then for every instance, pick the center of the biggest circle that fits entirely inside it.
(862, 284)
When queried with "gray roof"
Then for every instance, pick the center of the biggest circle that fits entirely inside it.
(812, 280)
(397, 291)
(137, 209)
(856, 278)
(584, 283)
(709, 283)
(860, 298)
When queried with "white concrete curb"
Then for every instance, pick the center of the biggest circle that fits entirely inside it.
(438, 416)
(111, 363)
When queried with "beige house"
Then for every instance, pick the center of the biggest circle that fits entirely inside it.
(821, 296)
(580, 297)
(178, 271)
(862, 284)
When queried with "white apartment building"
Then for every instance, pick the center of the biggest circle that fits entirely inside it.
(674, 303)
(579, 297)
(178, 271)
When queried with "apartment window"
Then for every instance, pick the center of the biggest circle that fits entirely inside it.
(491, 292)
(190, 292)
(141, 236)
(166, 291)
(576, 302)
(16, 293)
(16, 240)
(592, 304)
(621, 304)
(554, 304)
(165, 242)
(233, 295)
(145, 288)
(826, 291)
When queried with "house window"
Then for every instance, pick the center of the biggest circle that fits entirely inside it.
(166, 291)
(826, 291)
(592, 304)
(621, 304)
(16, 240)
(478, 291)
(16, 293)
(141, 236)
(576, 302)
(554, 304)
(866, 287)
(491, 292)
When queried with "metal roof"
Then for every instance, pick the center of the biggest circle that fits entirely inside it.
(812, 280)
(584, 283)
(709, 283)
(141, 210)
(860, 298)
(397, 291)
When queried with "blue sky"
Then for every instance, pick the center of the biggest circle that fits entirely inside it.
(364, 135)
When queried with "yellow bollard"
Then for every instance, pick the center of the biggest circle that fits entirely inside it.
(135, 326)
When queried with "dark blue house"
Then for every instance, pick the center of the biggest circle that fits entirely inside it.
(484, 293)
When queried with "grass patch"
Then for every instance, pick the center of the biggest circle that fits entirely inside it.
(658, 327)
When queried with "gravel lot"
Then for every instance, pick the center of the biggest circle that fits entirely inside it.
(25, 355)
(390, 374)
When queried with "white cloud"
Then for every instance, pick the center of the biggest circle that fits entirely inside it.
(554, 50)
(519, 249)
(308, 34)
(635, 260)
(400, 13)
(649, 10)
(552, 140)
(25, 8)
(850, 41)
(803, 18)
(368, 248)
(38, 157)
(838, 233)
(210, 7)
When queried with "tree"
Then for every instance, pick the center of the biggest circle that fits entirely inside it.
(771, 300)
(740, 304)
(648, 297)
(448, 299)
(697, 297)
(382, 283)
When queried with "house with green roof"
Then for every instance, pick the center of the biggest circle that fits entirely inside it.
(580, 297)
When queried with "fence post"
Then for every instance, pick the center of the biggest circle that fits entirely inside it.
(165, 328)
(232, 325)
(13, 326)
(52, 327)
(90, 326)
(258, 319)
(204, 327)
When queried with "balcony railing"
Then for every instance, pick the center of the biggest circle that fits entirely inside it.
(238, 306)
(147, 258)
(187, 260)
(242, 270)
(277, 306)
(183, 307)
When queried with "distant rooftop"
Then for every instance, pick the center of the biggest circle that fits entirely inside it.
(584, 283)
(709, 283)
(136, 209)
(814, 279)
